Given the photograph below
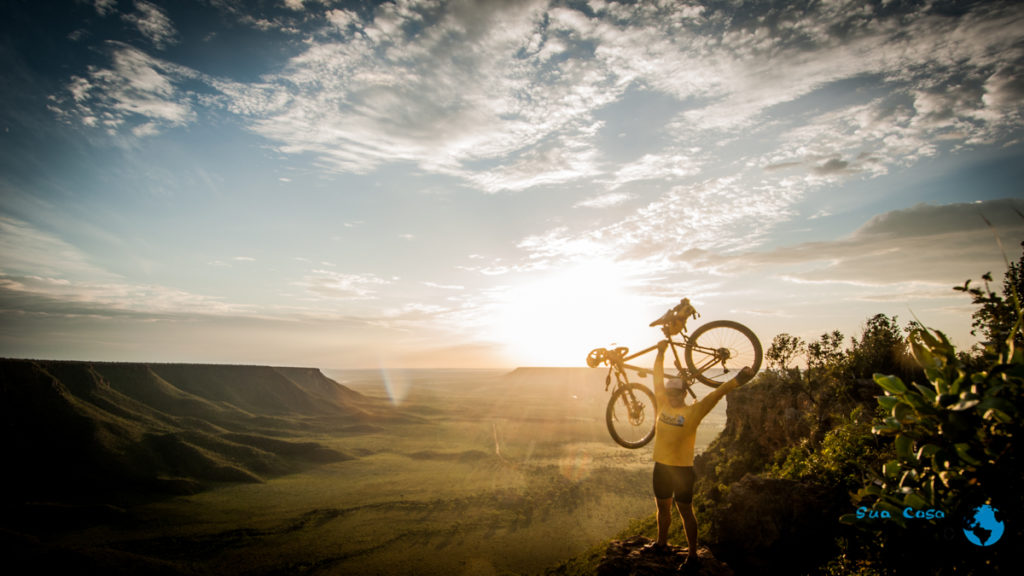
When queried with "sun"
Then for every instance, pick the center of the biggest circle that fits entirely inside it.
(555, 320)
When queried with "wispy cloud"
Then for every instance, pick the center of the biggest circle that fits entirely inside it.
(331, 285)
(104, 7)
(152, 23)
(27, 250)
(138, 93)
(506, 95)
(61, 296)
(934, 245)
(444, 286)
(43, 274)
(605, 200)
(761, 112)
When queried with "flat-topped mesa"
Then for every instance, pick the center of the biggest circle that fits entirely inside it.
(77, 430)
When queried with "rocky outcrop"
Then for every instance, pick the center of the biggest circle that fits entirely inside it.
(769, 523)
(757, 522)
(631, 558)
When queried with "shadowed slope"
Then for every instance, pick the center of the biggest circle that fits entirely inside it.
(78, 431)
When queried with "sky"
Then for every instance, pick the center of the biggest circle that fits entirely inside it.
(428, 184)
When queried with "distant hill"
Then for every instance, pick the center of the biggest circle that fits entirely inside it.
(571, 380)
(91, 431)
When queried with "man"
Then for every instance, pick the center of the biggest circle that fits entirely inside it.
(674, 439)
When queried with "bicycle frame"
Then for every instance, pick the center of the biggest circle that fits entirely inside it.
(716, 345)
(642, 372)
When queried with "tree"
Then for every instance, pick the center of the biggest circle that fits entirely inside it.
(784, 348)
(881, 348)
(998, 312)
(826, 355)
(956, 444)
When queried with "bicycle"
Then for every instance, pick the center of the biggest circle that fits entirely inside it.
(712, 352)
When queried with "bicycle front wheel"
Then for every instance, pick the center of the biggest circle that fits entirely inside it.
(631, 415)
(716, 351)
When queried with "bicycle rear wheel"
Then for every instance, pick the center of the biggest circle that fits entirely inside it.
(631, 415)
(716, 351)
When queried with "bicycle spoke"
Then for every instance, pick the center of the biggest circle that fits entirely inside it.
(631, 415)
(718, 349)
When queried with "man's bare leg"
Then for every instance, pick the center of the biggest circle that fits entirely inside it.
(689, 526)
(664, 520)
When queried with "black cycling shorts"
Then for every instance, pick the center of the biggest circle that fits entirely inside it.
(674, 482)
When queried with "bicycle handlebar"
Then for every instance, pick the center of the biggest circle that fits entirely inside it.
(599, 355)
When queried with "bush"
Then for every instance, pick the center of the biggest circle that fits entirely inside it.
(840, 461)
(955, 443)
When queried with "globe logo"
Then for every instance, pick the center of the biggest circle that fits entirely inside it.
(981, 526)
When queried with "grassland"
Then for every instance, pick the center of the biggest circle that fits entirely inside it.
(483, 473)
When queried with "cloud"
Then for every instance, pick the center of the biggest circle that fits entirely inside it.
(62, 297)
(342, 19)
(153, 23)
(509, 96)
(254, 15)
(104, 7)
(719, 215)
(137, 92)
(506, 95)
(446, 87)
(532, 78)
(936, 245)
(26, 250)
(444, 286)
(665, 166)
(832, 166)
(42, 274)
(330, 285)
(604, 200)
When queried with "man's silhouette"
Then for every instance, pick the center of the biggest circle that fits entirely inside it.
(674, 439)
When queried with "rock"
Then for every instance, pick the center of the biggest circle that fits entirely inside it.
(629, 558)
(766, 523)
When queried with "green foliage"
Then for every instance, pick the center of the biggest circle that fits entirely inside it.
(825, 357)
(997, 314)
(955, 444)
(841, 458)
(783, 349)
(881, 348)
(941, 437)
(951, 437)
(851, 561)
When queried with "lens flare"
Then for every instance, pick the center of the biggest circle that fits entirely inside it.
(575, 464)
(397, 385)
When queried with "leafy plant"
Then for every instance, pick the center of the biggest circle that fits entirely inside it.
(956, 444)
(838, 461)
(783, 349)
(996, 314)
(881, 348)
(952, 437)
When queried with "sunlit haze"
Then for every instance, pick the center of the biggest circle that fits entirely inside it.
(425, 183)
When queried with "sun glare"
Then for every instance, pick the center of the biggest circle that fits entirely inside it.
(558, 319)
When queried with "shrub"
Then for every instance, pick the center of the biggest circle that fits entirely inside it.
(955, 441)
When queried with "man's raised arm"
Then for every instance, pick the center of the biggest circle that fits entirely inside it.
(708, 402)
(659, 373)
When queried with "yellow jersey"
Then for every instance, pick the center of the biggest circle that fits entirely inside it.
(675, 433)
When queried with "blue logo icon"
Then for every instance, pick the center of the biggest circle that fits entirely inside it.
(981, 526)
